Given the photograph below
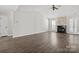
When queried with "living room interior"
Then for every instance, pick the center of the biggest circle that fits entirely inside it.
(39, 28)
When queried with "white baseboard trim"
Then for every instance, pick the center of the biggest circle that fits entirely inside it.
(72, 33)
(14, 36)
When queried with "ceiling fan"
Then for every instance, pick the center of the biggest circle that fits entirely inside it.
(54, 7)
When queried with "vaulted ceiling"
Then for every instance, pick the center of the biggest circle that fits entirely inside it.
(7, 8)
(44, 9)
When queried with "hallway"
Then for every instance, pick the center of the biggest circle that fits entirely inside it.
(47, 42)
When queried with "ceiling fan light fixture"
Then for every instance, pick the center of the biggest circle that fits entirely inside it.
(54, 7)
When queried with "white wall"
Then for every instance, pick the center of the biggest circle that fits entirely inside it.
(10, 23)
(7, 11)
(6, 15)
(9, 19)
(30, 19)
(29, 22)
(35, 17)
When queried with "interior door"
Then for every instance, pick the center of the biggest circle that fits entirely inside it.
(3, 26)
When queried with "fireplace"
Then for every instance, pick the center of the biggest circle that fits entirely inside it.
(61, 28)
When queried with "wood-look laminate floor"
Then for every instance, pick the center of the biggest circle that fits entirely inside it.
(47, 42)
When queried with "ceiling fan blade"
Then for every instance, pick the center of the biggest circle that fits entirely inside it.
(54, 7)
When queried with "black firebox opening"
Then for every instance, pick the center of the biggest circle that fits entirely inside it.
(61, 29)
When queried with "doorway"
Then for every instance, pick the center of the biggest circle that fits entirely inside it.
(3, 26)
(73, 27)
(52, 25)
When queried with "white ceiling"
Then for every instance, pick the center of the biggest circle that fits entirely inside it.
(44, 9)
(7, 8)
